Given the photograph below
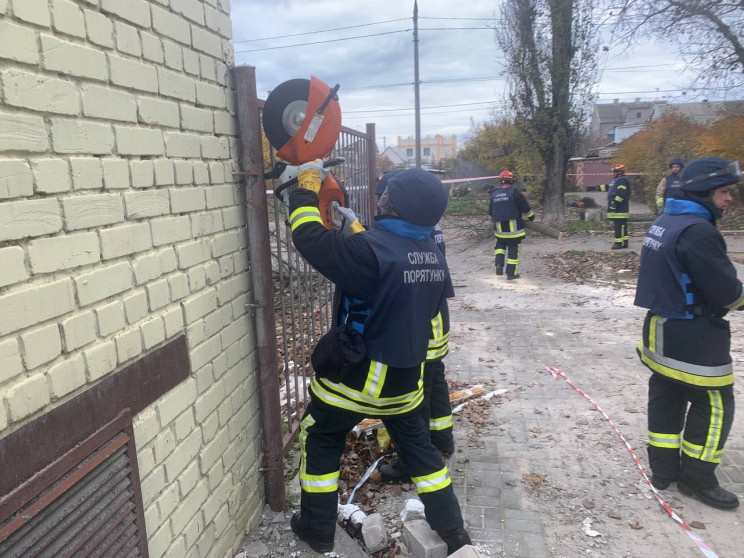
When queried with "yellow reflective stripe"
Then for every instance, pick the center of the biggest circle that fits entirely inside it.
(439, 342)
(303, 215)
(618, 199)
(717, 455)
(518, 234)
(664, 440)
(714, 426)
(498, 251)
(529, 214)
(433, 482)
(511, 261)
(738, 303)
(622, 187)
(652, 331)
(618, 215)
(335, 400)
(375, 378)
(437, 353)
(363, 397)
(442, 423)
(313, 483)
(692, 379)
(692, 450)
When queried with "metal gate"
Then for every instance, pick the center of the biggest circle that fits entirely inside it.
(303, 297)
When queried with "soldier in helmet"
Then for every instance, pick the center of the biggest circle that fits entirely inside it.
(669, 185)
(507, 207)
(390, 284)
(688, 284)
(618, 204)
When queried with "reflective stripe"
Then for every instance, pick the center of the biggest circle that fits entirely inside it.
(659, 201)
(703, 376)
(517, 234)
(303, 215)
(498, 251)
(618, 215)
(692, 450)
(313, 483)
(737, 304)
(442, 423)
(618, 199)
(375, 378)
(512, 261)
(433, 482)
(714, 426)
(664, 440)
(363, 397)
(439, 342)
(529, 214)
(656, 334)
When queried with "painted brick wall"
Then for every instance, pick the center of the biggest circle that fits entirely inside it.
(122, 226)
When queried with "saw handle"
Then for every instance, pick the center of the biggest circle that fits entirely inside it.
(326, 164)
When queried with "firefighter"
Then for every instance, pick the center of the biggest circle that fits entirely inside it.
(669, 185)
(506, 208)
(390, 284)
(618, 204)
(688, 284)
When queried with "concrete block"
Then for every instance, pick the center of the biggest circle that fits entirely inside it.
(136, 11)
(18, 43)
(153, 333)
(170, 25)
(373, 533)
(100, 29)
(168, 261)
(179, 286)
(182, 145)
(52, 175)
(35, 304)
(10, 360)
(220, 196)
(217, 173)
(190, 9)
(467, 551)
(231, 288)
(40, 346)
(153, 485)
(16, 179)
(184, 172)
(207, 42)
(19, 132)
(80, 136)
(139, 141)
(201, 173)
(27, 396)
(190, 61)
(199, 306)
(233, 217)
(213, 450)
(164, 173)
(103, 282)
(12, 267)
(158, 294)
(173, 321)
(173, 55)
(115, 173)
(146, 268)
(127, 39)
(225, 123)
(159, 112)
(79, 330)
(206, 223)
(68, 18)
(207, 68)
(177, 85)
(152, 47)
(125, 240)
(225, 243)
(197, 278)
(197, 119)
(213, 147)
(190, 476)
(169, 230)
(72, 59)
(40, 93)
(135, 306)
(107, 103)
(132, 74)
(187, 199)
(183, 455)
(422, 540)
(188, 507)
(210, 95)
(168, 500)
(146, 427)
(87, 173)
(175, 402)
(193, 253)
(218, 21)
(143, 174)
(148, 203)
(110, 318)
(128, 345)
(84, 212)
(48, 255)
(66, 376)
(33, 11)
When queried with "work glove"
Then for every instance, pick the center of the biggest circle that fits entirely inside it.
(531, 218)
(345, 220)
(310, 175)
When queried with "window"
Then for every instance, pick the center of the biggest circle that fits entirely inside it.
(409, 152)
(427, 151)
(638, 114)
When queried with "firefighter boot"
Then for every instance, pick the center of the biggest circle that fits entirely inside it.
(319, 542)
(617, 246)
(625, 243)
(661, 483)
(715, 497)
(455, 539)
(499, 270)
(512, 277)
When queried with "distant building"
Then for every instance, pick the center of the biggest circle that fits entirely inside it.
(704, 112)
(433, 149)
(628, 117)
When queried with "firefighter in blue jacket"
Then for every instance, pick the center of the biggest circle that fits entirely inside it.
(506, 208)
(688, 284)
(397, 272)
(618, 204)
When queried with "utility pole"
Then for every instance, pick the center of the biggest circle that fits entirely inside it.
(417, 102)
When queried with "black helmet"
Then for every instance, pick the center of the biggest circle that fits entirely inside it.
(418, 196)
(708, 173)
(677, 161)
(383, 182)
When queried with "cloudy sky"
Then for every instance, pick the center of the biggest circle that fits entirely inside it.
(461, 67)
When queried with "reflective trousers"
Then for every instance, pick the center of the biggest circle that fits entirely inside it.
(621, 231)
(436, 409)
(508, 248)
(693, 455)
(323, 433)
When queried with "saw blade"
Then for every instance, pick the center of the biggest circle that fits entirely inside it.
(285, 110)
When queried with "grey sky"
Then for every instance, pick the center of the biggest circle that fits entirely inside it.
(362, 65)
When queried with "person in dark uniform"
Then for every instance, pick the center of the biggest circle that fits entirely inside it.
(506, 208)
(688, 284)
(390, 284)
(669, 185)
(618, 204)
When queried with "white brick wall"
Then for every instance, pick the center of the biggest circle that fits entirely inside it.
(119, 230)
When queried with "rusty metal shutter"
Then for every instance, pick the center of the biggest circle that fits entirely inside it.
(86, 503)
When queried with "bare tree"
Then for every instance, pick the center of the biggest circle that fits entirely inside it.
(551, 50)
(708, 33)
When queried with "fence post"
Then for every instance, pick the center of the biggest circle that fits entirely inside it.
(257, 224)
(371, 172)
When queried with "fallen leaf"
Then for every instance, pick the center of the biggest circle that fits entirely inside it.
(636, 525)
(534, 479)
(697, 525)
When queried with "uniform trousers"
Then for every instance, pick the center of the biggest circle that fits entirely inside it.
(706, 426)
(508, 248)
(323, 433)
(621, 231)
(436, 409)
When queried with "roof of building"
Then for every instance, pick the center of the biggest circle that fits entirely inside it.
(615, 112)
(703, 112)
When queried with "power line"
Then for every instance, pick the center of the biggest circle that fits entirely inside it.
(322, 31)
(411, 108)
(323, 42)
(407, 115)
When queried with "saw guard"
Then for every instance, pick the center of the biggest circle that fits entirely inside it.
(298, 150)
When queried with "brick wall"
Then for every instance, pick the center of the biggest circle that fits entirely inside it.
(122, 226)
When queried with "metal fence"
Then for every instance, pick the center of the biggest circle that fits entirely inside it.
(302, 296)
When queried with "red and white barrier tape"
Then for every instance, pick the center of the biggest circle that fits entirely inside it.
(699, 542)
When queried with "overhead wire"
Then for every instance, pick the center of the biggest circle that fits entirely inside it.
(322, 30)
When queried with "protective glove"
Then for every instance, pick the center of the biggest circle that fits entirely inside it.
(345, 220)
(531, 218)
(310, 175)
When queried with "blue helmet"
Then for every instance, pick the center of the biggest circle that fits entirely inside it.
(418, 196)
(708, 173)
(677, 161)
(383, 182)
